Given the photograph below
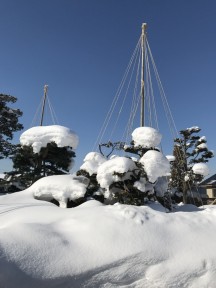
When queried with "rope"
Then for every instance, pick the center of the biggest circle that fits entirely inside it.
(115, 100)
(168, 113)
(50, 108)
(134, 105)
(125, 96)
(36, 116)
(52, 112)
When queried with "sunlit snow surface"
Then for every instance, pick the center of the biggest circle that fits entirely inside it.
(106, 173)
(146, 137)
(92, 161)
(94, 245)
(60, 187)
(201, 168)
(40, 136)
(155, 164)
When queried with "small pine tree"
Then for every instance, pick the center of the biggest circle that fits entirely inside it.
(189, 149)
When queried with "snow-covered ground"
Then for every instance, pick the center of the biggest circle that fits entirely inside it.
(96, 245)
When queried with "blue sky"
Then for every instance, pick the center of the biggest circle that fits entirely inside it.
(81, 48)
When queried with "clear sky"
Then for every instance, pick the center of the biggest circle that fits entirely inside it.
(80, 48)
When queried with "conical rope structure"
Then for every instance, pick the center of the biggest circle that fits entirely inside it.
(128, 95)
(45, 111)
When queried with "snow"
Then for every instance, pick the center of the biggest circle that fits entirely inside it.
(40, 136)
(155, 165)
(193, 129)
(92, 161)
(201, 169)
(161, 186)
(146, 137)
(202, 139)
(170, 158)
(107, 171)
(2, 176)
(60, 187)
(96, 245)
(141, 184)
(201, 146)
(187, 178)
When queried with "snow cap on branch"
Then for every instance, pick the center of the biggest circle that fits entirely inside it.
(170, 158)
(40, 136)
(193, 129)
(92, 161)
(107, 172)
(155, 165)
(146, 137)
(201, 169)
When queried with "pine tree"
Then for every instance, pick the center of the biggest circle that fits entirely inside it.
(51, 160)
(9, 123)
(131, 185)
(189, 149)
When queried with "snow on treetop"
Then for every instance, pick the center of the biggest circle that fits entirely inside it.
(201, 169)
(155, 165)
(107, 171)
(146, 137)
(194, 129)
(40, 136)
(60, 187)
(92, 161)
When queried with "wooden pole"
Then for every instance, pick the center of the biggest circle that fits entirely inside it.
(44, 102)
(142, 116)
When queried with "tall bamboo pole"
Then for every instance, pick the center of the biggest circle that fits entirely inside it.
(44, 102)
(142, 116)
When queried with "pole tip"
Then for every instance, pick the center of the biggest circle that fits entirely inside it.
(144, 25)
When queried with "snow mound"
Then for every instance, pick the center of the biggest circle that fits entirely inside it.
(146, 137)
(155, 165)
(40, 136)
(60, 187)
(92, 161)
(96, 245)
(201, 169)
(107, 172)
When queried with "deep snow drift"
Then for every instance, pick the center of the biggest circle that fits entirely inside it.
(96, 245)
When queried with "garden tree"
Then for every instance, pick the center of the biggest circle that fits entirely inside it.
(29, 166)
(127, 180)
(43, 151)
(9, 123)
(178, 173)
(189, 150)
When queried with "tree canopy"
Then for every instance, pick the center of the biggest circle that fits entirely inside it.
(189, 150)
(9, 123)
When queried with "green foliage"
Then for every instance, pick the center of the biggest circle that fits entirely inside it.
(9, 123)
(188, 150)
(123, 191)
(51, 160)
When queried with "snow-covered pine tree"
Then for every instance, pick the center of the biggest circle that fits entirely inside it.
(189, 150)
(9, 123)
(127, 179)
(29, 166)
(44, 151)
